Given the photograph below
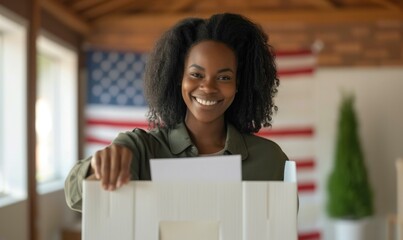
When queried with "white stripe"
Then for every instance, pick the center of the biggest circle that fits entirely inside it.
(298, 146)
(306, 176)
(295, 102)
(285, 63)
(116, 113)
(104, 133)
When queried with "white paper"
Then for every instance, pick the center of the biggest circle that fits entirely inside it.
(197, 169)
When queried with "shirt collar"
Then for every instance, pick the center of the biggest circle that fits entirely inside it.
(179, 140)
(235, 143)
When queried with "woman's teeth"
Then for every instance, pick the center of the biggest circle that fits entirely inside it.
(205, 102)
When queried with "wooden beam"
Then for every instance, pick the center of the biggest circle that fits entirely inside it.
(33, 28)
(67, 17)
(84, 4)
(388, 4)
(321, 4)
(107, 7)
(81, 103)
(179, 5)
(146, 22)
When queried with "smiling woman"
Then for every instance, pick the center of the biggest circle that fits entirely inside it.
(210, 85)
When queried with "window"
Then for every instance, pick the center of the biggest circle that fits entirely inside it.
(12, 109)
(2, 178)
(56, 113)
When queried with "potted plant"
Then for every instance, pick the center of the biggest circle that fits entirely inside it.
(350, 199)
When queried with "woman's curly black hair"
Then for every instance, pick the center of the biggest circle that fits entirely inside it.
(257, 80)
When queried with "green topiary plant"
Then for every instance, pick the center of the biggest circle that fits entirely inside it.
(349, 192)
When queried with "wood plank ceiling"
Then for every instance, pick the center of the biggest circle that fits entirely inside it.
(94, 18)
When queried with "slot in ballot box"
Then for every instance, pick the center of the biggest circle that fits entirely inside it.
(143, 210)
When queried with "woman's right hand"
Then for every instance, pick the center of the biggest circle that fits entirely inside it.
(111, 166)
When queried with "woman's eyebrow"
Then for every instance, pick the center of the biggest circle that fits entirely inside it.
(225, 70)
(219, 71)
(197, 66)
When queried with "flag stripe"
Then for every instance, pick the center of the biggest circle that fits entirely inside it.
(291, 72)
(287, 132)
(116, 123)
(306, 187)
(93, 140)
(307, 52)
(315, 235)
(304, 164)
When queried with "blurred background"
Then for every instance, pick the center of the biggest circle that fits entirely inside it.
(71, 78)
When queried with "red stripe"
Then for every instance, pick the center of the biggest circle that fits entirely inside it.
(293, 53)
(114, 123)
(93, 140)
(303, 164)
(291, 72)
(306, 187)
(309, 236)
(286, 132)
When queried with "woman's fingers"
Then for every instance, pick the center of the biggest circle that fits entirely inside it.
(111, 166)
(124, 173)
(115, 157)
(96, 164)
(106, 167)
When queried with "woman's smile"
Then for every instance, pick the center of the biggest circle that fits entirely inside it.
(206, 102)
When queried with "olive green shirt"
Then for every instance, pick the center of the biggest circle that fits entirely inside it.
(262, 159)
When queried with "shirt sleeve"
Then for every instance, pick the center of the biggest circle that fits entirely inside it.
(73, 185)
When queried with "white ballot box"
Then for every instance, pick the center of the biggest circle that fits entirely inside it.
(144, 210)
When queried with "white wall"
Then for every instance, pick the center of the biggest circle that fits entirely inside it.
(379, 100)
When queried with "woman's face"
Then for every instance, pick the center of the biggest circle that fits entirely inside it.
(209, 81)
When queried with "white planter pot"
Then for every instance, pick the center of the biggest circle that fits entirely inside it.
(350, 229)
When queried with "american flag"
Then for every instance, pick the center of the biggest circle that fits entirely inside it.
(115, 103)
(115, 99)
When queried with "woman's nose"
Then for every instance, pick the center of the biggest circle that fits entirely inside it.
(209, 85)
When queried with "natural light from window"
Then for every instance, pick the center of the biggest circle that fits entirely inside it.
(2, 179)
(56, 113)
(12, 109)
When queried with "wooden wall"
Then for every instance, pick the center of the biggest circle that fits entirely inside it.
(356, 44)
(348, 42)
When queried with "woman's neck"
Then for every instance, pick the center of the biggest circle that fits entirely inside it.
(208, 137)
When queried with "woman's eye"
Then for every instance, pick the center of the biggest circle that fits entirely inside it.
(196, 75)
(224, 78)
